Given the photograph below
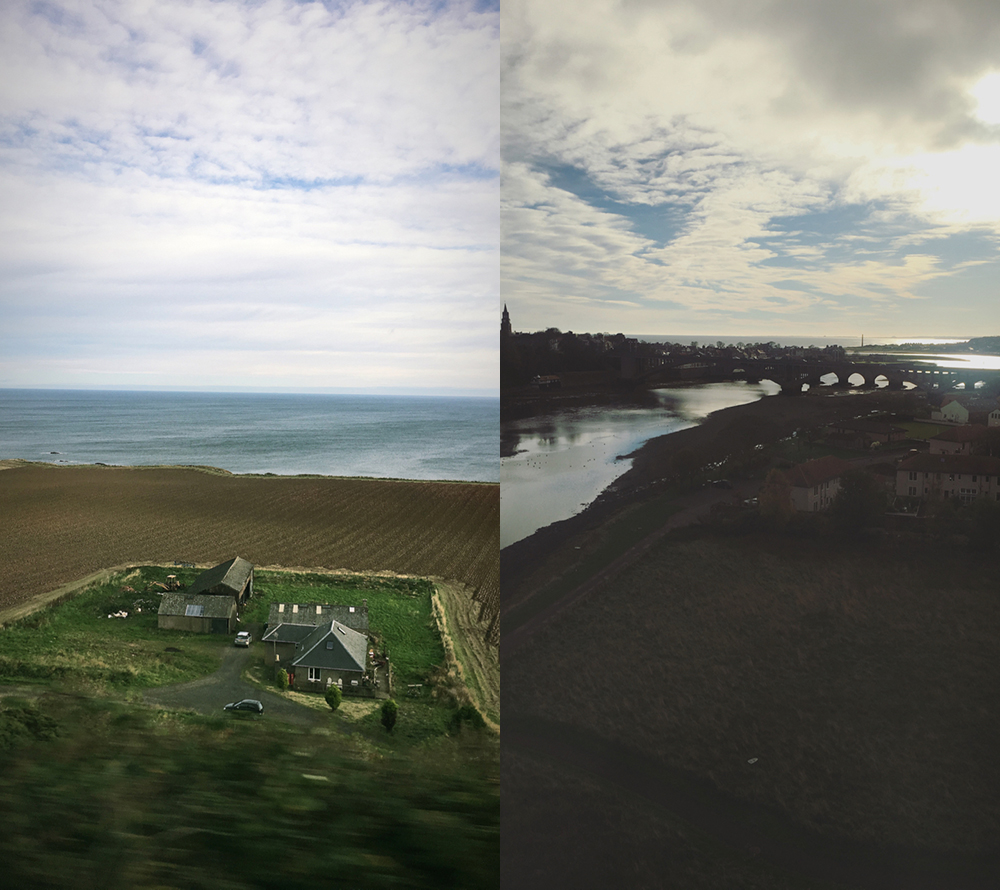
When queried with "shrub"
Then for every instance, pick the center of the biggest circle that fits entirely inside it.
(389, 710)
(333, 696)
(282, 677)
(466, 714)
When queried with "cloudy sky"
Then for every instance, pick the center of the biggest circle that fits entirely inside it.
(798, 168)
(250, 193)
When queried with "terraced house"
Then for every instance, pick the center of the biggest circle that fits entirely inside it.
(967, 477)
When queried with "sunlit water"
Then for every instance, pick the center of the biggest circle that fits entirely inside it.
(564, 460)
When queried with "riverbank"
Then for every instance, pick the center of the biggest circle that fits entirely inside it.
(719, 435)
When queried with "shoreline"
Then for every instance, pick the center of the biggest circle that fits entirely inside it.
(766, 420)
(10, 463)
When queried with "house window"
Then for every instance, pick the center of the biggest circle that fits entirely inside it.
(973, 478)
(314, 675)
(281, 607)
(319, 610)
(913, 477)
(295, 610)
(913, 491)
(354, 682)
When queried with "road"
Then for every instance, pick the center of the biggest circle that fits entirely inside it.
(208, 695)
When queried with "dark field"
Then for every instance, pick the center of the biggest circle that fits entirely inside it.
(862, 678)
(62, 523)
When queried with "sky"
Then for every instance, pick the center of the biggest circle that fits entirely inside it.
(752, 168)
(254, 194)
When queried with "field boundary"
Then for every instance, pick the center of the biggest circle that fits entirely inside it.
(50, 598)
(453, 662)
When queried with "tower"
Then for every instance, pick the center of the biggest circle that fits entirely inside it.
(505, 330)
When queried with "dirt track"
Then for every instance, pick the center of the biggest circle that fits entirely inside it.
(208, 695)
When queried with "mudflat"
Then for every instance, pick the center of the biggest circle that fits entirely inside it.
(722, 433)
(62, 523)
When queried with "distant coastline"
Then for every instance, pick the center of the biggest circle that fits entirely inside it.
(972, 346)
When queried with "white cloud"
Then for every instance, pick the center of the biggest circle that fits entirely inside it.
(733, 118)
(291, 173)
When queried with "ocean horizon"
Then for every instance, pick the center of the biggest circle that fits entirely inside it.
(422, 437)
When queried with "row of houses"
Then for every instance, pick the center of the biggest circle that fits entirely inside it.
(318, 644)
(965, 477)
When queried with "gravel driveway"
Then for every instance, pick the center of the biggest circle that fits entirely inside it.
(209, 694)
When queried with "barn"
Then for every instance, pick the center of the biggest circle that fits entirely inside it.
(201, 613)
(232, 578)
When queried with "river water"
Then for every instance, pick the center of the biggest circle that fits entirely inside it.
(562, 461)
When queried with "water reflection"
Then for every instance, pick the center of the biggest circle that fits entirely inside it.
(561, 462)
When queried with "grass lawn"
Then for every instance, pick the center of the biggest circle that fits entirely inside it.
(76, 642)
(399, 610)
(101, 794)
(920, 429)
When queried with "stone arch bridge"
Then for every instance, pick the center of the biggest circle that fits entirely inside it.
(791, 373)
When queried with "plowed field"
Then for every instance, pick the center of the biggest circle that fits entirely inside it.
(61, 523)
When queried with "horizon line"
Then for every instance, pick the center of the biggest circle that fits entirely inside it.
(428, 392)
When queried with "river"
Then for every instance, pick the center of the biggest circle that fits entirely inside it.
(560, 462)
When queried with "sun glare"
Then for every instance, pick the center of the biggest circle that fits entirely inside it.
(987, 95)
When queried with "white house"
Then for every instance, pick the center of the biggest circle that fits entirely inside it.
(816, 483)
(951, 411)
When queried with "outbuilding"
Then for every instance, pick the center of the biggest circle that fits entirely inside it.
(233, 578)
(197, 614)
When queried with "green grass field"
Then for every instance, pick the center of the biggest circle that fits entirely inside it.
(101, 794)
(74, 641)
(399, 610)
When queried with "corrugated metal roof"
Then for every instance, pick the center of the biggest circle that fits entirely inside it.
(212, 606)
(232, 574)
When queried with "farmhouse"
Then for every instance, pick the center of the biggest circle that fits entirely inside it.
(197, 614)
(317, 650)
(967, 477)
(354, 617)
(816, 482)
(232, 578)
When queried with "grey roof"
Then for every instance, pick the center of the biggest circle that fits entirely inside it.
(348, 650)
(232, 575)
(212, 606)
(288, 633)
(354, 617)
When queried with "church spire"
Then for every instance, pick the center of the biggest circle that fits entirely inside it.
(505, 329)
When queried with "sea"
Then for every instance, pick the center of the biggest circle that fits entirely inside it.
(382, 436)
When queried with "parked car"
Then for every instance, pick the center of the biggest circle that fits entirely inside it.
(243, 638)
(249, 705)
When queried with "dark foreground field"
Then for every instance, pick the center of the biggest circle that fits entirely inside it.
(62, 523)
(861, 680)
